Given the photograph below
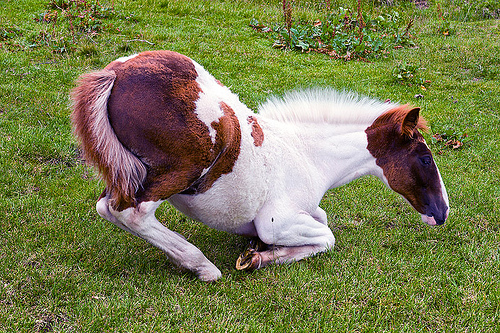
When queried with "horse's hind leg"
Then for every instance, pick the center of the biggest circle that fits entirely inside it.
(254, 259)
(141, 221)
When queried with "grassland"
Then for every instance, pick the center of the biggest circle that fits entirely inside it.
(64, 269)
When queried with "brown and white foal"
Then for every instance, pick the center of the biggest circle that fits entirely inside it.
(157, 126)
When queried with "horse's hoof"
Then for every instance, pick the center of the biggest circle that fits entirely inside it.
(248, 260)
(251, 259)
(244, 261)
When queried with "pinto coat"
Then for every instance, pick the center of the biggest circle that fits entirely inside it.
(157, 126)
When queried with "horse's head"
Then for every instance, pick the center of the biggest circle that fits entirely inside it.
(406, 161)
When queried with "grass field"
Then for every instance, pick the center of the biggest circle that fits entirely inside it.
(64, 269)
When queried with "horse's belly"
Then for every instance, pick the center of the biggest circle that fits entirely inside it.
(227, 206)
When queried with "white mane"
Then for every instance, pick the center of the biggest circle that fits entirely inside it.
(324, 106)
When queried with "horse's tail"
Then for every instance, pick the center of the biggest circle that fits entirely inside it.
(122, 171)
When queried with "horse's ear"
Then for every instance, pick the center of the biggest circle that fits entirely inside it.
(410, 122)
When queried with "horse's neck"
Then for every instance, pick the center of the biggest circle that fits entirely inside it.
(338, 152)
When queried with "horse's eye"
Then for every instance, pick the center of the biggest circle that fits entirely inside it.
(426, 160)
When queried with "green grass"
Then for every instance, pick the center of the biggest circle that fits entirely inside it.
(64, 269)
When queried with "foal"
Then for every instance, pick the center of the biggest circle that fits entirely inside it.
(158, 127)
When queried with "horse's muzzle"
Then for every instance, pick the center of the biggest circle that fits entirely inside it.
(436, 219)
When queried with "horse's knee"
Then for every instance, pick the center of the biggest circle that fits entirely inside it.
(295, 230)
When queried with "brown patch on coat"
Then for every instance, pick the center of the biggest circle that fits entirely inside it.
(152, 110)
(400, 150)
(150, 113)
(257, 133)
(226, 149)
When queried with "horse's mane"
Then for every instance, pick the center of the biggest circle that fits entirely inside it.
(324, 106)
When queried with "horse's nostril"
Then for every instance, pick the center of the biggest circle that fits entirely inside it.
(439, 220)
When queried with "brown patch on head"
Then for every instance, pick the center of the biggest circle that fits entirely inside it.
(400, 150)
(257, 133)
(406, 117)
(226, 150)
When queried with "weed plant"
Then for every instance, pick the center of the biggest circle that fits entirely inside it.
(64, 26)
(407, 74)
(342, 34)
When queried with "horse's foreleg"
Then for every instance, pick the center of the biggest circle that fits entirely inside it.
(294, 237)
(141, 221)
(252, 259)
